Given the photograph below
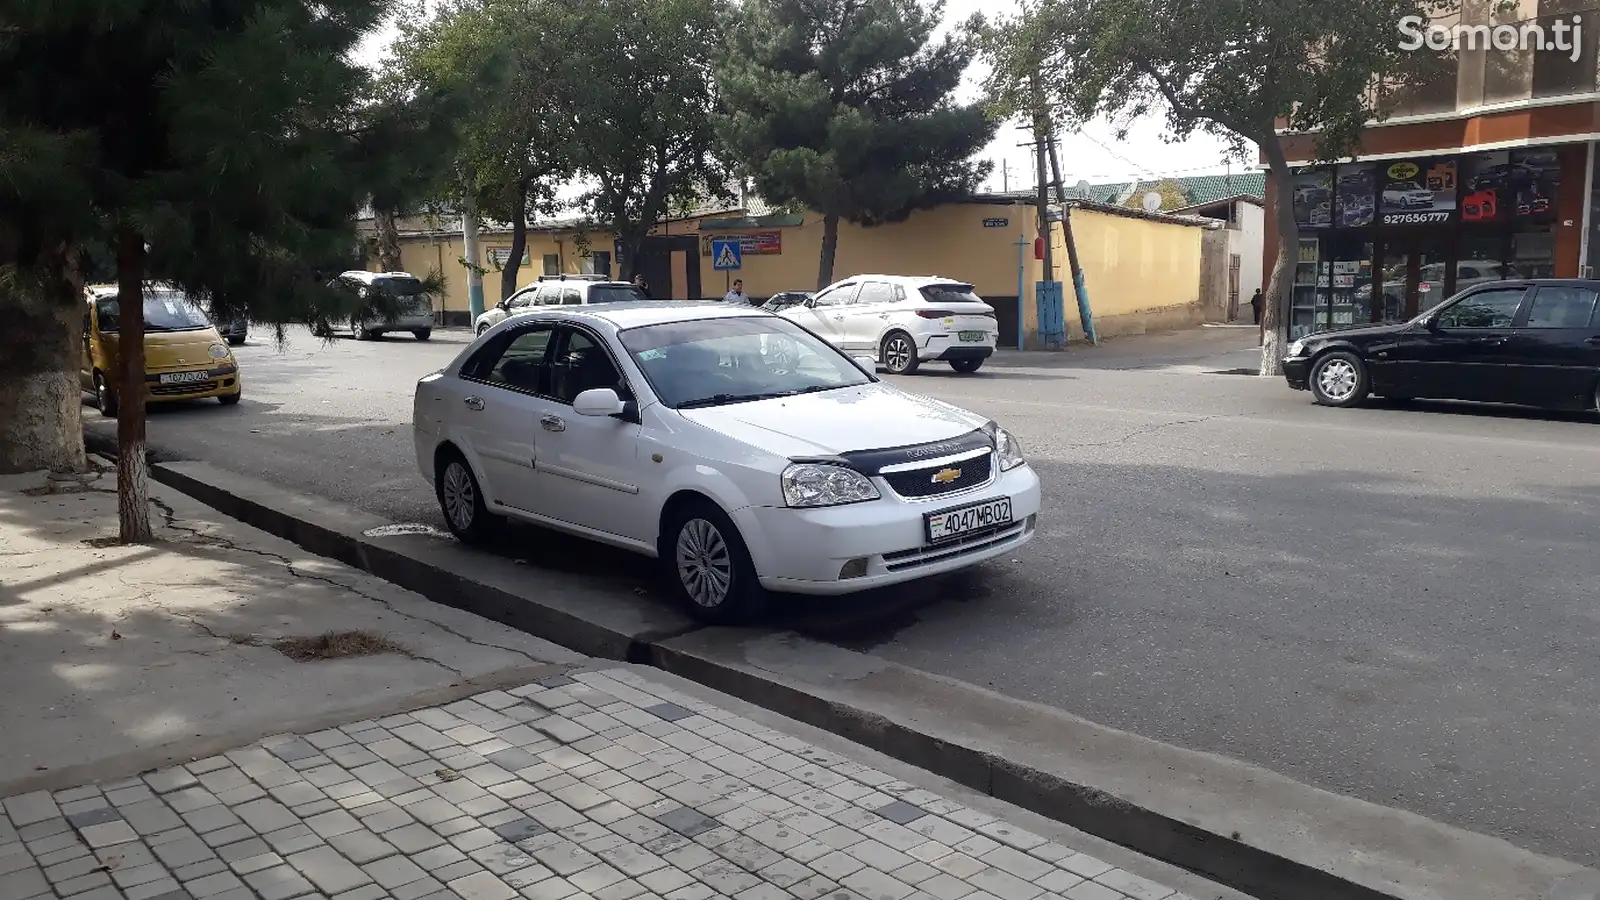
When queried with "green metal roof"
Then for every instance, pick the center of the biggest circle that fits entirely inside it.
(1198, 188)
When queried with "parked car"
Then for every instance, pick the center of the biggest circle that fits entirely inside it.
(661, 428)
(1406, 195)
(184, 356)
(414, 307)
(1534, 343)
(903, 320)
(235, 330)
(557, 290)
(785, 299)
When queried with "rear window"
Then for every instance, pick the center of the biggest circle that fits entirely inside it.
(950, 293)
(615, 293)
(398, 287)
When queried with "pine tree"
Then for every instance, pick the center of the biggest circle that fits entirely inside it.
(846, 107)
(216, 146)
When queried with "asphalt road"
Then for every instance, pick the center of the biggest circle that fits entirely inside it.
(1395, 603)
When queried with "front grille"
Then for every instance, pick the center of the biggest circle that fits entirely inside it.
(193, 387)
(915, 483)
(976, 542)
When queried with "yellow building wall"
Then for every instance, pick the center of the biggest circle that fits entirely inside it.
(1141, 274)
(422, 254)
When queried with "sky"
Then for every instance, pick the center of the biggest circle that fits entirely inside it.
(1092, 154)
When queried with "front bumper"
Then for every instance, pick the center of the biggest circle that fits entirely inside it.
(801, 551)
(1298, 373)
(221, 381)
(409, 322)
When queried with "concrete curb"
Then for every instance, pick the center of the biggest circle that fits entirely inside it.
(1239, 825)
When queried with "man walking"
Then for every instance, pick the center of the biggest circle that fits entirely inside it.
(736, 295)
(1255, 305)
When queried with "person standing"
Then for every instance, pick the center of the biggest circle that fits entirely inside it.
(736, 295)
(639, 282)
(1255, 306)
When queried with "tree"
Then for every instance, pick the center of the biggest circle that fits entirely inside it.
(515, 64)
(417, 126)
(218, 147)
(643, 133)
(1240, 69)
(1172, 195)
(845, 106)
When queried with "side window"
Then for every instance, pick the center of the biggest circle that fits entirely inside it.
(836, 296)
(106, 312)
(523, 299)
(582, 365)
(518, 362)
(875, 293)
(549, 294)
(1561, 307)
(1485, 309)
(571, 297)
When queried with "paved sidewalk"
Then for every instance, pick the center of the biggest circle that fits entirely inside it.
(607, 784)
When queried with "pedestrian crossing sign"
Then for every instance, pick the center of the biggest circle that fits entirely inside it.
(727, 255)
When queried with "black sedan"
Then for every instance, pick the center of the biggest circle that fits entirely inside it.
(1534, 343)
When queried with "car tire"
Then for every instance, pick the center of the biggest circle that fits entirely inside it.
(482, 328)
(710, 568)
(898, 353)
(359, 331)
(461, 501)
(966, 366)
(230, 399)
(105, 399)
(422, 334)
(235, 341)
(1339, 379)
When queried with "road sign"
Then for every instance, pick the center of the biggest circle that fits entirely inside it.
(727, 255)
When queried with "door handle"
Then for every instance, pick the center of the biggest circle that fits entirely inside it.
(1490, 341)
(474, 403)
(551, 423)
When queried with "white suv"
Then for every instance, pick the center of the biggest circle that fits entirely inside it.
(559, 290)
(415, 308)
(903, 320)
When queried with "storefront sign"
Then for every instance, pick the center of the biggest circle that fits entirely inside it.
(1313, 199)
(996, 223)
(1418, 192)
(499, 256)
(756, 243)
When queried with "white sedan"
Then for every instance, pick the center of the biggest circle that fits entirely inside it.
(664, 429)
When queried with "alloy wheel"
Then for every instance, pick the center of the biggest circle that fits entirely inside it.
(459, 495)
(1337, 379)
(705, 567)
(897, 354)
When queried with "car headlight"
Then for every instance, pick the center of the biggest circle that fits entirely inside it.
(1297, 348)
(219, 351)
(1005, 444)
(822, 484)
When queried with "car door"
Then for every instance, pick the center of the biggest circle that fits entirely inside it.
(1463, 351)
(505, 393)
(589, 465)
(825, 314)
(1557, 348)
(867, 314)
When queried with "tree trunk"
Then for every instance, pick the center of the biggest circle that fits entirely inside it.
(41, 354)
(133, 488)
(519, 243)
(388, 241)
(1275, 300)
(830, 250)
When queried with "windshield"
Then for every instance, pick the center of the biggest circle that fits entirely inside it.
(163, 311)
(950, 293)
(615, 293)
(712, 362)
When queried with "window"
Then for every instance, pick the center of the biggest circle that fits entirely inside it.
(875, 292)
(552, 264)
(519, 361)
(598, 262)
(522, 299)
(615, 293)
(836, 296)
(571, 297)
(549, 295)
(1561, 307)
(583, 365)
(741, 359)
(1487, 309)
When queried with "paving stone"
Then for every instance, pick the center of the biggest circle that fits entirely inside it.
(369, 892)
(1010, 835)
(200, 869)
(73, 868)
(1005, 885)
(425, 887)
(106, 834)
(362, 847)
(150, 817)
(251, 864)
(1057, 881)
(164, 888)
(293, 839)
(27, 809)
(1018, 863)
(330, 872)
(1133, 885)
(481, 886)
(24, 882)
(212, 885)
(190, 798)
(266, 815)
(945, 886)
(289, 751)
(1085, 865)
(83, 884)
(335, 822)
(394, 871)
(687, 822)
(1088, 890)
(132, 876)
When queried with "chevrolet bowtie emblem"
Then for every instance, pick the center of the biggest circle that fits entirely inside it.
(945, 476)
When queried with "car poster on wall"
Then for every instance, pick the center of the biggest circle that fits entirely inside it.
(1313, 199)
(1487, 193)
(1417, 191)
(1536, 179)
(1355, 192)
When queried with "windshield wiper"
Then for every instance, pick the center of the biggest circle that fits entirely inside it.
(723, 399)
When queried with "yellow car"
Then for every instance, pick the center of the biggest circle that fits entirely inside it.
(185, 357)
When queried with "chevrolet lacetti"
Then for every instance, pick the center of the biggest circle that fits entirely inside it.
(677, 432)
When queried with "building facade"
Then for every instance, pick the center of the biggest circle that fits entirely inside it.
(1486, 172)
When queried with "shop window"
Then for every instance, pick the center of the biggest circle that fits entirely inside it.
(1555, 71)
(1507, 74)
(1533, 254)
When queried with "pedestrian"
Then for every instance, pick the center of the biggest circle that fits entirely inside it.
(736, 295)
(1255, 305)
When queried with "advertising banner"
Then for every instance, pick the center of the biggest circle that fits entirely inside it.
(1418, 191)
(1536, 179)
(1356, 195)
(1313, 199)
(755, 243)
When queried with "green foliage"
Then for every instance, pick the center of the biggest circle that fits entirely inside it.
(229, 137)
(845, 106)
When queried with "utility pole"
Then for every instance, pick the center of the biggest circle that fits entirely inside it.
(1044, 125)
(469, 246)
(1005, 175)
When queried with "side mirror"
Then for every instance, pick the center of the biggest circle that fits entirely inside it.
(598, 402)
(811, 302)
(867, 364)
(503, 304)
